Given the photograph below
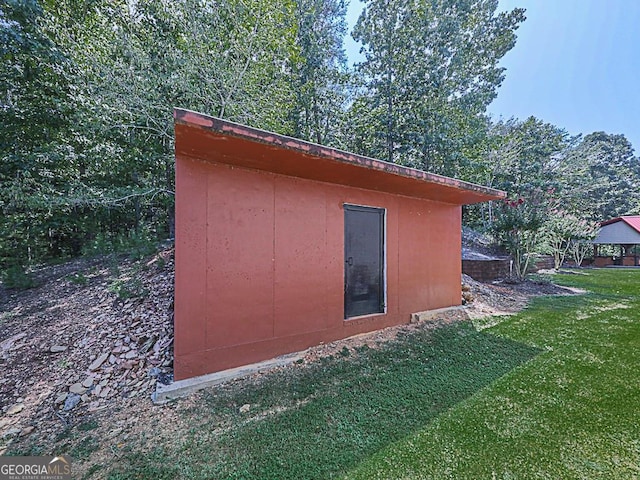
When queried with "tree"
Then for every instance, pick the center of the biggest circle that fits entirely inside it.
(602, 177)
(379, 29)
(238, 57)
(517, 227)
(520, 157)
(581, 243)
(567, 233)
(319, 71)
(88, 88)
(580, 247)
(431, 69)
(527, 155)
(35, 109)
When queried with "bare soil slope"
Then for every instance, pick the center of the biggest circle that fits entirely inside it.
(86, 339)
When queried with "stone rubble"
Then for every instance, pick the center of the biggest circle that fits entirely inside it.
(71, 401)
(95, 365)
(77, 388)
(17, 408)
(87, 348)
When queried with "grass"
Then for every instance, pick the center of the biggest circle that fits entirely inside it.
(550, 393)
(321, 421)
(570, 413)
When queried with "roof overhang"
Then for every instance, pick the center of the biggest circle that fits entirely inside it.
(216, 140)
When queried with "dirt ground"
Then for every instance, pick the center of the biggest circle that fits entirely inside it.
(85, 340)
(81, 353)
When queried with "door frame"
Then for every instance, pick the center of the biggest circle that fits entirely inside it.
(383, 272)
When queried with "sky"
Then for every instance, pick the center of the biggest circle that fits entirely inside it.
(576, 64)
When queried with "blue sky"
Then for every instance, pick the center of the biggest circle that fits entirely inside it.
(576, 64)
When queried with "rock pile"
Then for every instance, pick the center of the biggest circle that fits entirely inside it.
(73, 346)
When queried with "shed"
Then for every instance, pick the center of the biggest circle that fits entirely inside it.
(283, 244)
(621, 231)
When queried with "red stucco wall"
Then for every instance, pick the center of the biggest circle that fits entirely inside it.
(260, 263)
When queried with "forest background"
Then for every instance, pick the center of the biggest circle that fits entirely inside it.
(87, 89)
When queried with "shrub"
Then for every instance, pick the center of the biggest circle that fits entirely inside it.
(128, 288)
(17, 277)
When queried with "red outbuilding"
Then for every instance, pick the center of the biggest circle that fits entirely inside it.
(283, 244)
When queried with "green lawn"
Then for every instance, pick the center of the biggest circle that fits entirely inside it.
(553, 392)
(573, 412)
(321, 421)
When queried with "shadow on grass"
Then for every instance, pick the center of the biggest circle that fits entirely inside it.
(321, 420)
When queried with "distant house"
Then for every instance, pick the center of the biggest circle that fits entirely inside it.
(283, 244)
(623, 232)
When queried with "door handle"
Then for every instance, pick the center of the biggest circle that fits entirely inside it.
(350, 261)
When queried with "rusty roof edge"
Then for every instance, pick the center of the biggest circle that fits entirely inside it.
(610, 221)
(189, 117)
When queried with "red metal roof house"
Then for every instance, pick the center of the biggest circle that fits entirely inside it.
(282, 244)
(623, 231)
(620, 230)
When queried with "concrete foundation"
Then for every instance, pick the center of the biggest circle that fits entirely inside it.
(182, 388)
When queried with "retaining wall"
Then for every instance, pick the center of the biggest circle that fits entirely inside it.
(486, 270)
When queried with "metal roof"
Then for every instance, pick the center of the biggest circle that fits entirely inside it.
(216, 140)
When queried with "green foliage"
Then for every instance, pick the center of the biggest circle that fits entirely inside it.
(134, 244)
(585, 180)
(84, 448)
(64, 363)
(579, 249)
(319, 72)
(602, 177)
(128, 287)
(35, 99)
(87, 137)
(78, 278)
(15, 276)
(430, 71)
(517, 225)
(528, 154)
(34, 86)
(88, 425)
(520, 157)
(566, 233)
(594, 178)
(87, 89)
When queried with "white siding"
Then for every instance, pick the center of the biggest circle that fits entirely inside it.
(618, 233)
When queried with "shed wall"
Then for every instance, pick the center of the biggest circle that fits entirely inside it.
(260, 263)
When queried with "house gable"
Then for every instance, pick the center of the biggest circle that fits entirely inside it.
(619, 231)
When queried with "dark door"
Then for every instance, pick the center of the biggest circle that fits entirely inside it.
(363, 260)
